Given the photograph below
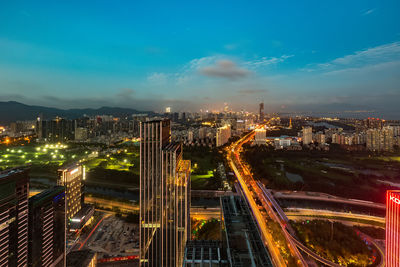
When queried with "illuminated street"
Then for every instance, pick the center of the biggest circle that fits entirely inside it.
(252, 194)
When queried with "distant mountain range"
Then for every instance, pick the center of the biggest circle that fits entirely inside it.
(14, 111)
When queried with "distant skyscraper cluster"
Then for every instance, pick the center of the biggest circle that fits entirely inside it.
(164, 196)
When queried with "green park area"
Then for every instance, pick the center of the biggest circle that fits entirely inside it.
(115, 167)
(204, 162)
(329, 172)
(119, 166)
(44, 159)
(334, 241)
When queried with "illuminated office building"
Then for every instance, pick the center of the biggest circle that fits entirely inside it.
(71, 177)
(14, 191)
(164, 197)
(223, 135)
(47, 228)
(260, 136)
(393, 228)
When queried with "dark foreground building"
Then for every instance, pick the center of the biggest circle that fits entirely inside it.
(47, 228)
(164, 196)
(14, 191)
(209, 253)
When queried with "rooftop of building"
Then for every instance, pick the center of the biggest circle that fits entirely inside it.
(205, 253)
(242, 235)
(155, 120)
(8, 172)
(69, 167)
(49, 193)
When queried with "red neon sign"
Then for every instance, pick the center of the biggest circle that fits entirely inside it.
(393, 228)
(395, 199)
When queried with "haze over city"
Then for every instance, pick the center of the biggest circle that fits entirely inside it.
(319, 56)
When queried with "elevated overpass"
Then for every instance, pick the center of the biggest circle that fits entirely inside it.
(317, 196)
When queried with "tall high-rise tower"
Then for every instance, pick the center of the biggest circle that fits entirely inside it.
(47, 228)
(14, 191)
(71, 177)
(164, 196)
(261, 111)
(392, 228)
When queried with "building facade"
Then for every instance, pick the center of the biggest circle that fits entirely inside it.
(392, 228)
(307, 135)
(380, 139)
(164, 197)
(47, 228)
(14, 192)
(71, 177)
(223, 135)
(260, 136)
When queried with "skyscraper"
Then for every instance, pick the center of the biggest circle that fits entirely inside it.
(71, 177)
(47, 228)
(307, 135)
(393, 228)
(223, 135)
(164, 196)
(261, 111)
(14, 191)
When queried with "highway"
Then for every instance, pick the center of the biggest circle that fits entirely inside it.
(287, 229)
(301, 212)
(265, 207)
(317, 196)
(253, 194)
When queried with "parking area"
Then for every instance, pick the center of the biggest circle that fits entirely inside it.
(115, 238)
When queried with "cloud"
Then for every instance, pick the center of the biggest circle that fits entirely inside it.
(371, 55)
(369, 11)
(360, 59)
(188, 72)
(225, 69)
(385, 66)
(157, 77)
(126, 93)
(265, 61)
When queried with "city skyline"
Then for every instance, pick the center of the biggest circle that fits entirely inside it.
(183, 133)
(319, 57)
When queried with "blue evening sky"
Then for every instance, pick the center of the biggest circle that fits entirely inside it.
(191, 55)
